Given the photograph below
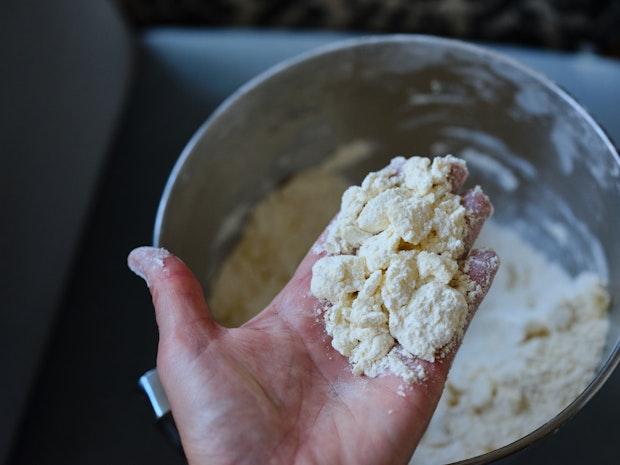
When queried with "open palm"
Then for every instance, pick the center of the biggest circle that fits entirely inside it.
(274, 390)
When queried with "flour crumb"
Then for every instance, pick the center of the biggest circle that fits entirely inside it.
(390, 273)
(317, 249)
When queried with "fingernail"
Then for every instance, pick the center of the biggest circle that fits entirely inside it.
(144, 261)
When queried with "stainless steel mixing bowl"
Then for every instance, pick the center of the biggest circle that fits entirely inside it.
(548, 167)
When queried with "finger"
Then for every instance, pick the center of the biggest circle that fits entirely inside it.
(478, 208)
(458, 175)
(180, 307)
(480, 266)
(421, 398)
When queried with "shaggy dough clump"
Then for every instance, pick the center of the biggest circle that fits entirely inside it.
(392, 276)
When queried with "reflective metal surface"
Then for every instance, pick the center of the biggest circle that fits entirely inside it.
(541, 157)
(151, 385)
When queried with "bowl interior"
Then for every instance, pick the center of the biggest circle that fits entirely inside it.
(548, 168)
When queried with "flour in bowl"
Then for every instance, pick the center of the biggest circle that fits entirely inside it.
(532, 348)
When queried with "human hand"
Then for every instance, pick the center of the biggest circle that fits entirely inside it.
(274, 390)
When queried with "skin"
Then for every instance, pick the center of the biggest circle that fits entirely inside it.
(274, 390)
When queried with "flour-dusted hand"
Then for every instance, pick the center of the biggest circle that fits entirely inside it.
(274, 390)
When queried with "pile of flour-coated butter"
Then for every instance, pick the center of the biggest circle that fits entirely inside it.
(533, 346)
(391, 277)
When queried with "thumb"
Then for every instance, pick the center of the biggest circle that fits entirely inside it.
(180, 307)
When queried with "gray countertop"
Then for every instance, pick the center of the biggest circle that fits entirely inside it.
(86, 408)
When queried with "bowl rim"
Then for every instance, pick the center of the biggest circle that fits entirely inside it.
(604, 371)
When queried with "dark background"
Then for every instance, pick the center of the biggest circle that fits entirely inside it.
(565, 24)
(96, 103)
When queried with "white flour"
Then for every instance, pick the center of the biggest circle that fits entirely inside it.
(533, 346)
